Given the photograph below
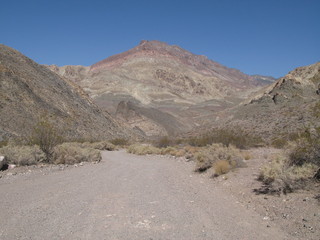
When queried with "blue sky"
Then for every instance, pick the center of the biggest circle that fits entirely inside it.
(264, 37)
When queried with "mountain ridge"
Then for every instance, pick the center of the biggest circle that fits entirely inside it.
(155, 75)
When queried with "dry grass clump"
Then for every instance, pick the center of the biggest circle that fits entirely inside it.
(246, 155)
(71, 153)
(209, 156)
(143, 149)
(23, 155)
(221, 167)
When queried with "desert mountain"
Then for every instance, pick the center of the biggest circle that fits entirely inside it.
(162, 89)
(29, 91)
(288, 106)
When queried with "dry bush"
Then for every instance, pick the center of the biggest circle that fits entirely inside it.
(204, 160)
(71, 153)
(221, 167)
(119, 142)
(143, 149)
(306, 150)
(46, 136)
(207, 156)
(280, 176)
(23, 155)
(168, 151)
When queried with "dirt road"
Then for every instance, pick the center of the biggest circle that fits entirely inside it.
(125, 197)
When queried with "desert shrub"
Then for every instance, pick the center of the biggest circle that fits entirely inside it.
(23, 155)
(280, 176)
(168, 151)
(207, 156)
(46, 136)
(143, 149)
(71, 153)
(104, 145)
(279, 143)
(203, 160)
(119, 142)
(221, 167)
(306, 149)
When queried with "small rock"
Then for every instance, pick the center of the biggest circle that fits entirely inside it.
(266, 218)
(11, 166)
(81, 164)
(304, 220)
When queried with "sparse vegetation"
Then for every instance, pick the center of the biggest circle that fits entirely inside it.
(23, 155)
(71, 153)
(227, 137)
(163, 142)
(143, 149)
(119, 142)
(279, 143)
(3, 143)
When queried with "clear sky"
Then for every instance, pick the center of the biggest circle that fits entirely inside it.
(268, 37)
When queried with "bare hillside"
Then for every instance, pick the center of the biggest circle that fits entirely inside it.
(29, 91)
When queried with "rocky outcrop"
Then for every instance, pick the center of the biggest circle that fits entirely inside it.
(288, 106)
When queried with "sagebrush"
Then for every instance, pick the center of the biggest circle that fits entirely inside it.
(71, 153)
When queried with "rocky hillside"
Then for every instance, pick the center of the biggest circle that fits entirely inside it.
(29, 91)
(162, 78)
(288, 106)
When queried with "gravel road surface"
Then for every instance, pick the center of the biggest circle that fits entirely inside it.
(125, 197)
